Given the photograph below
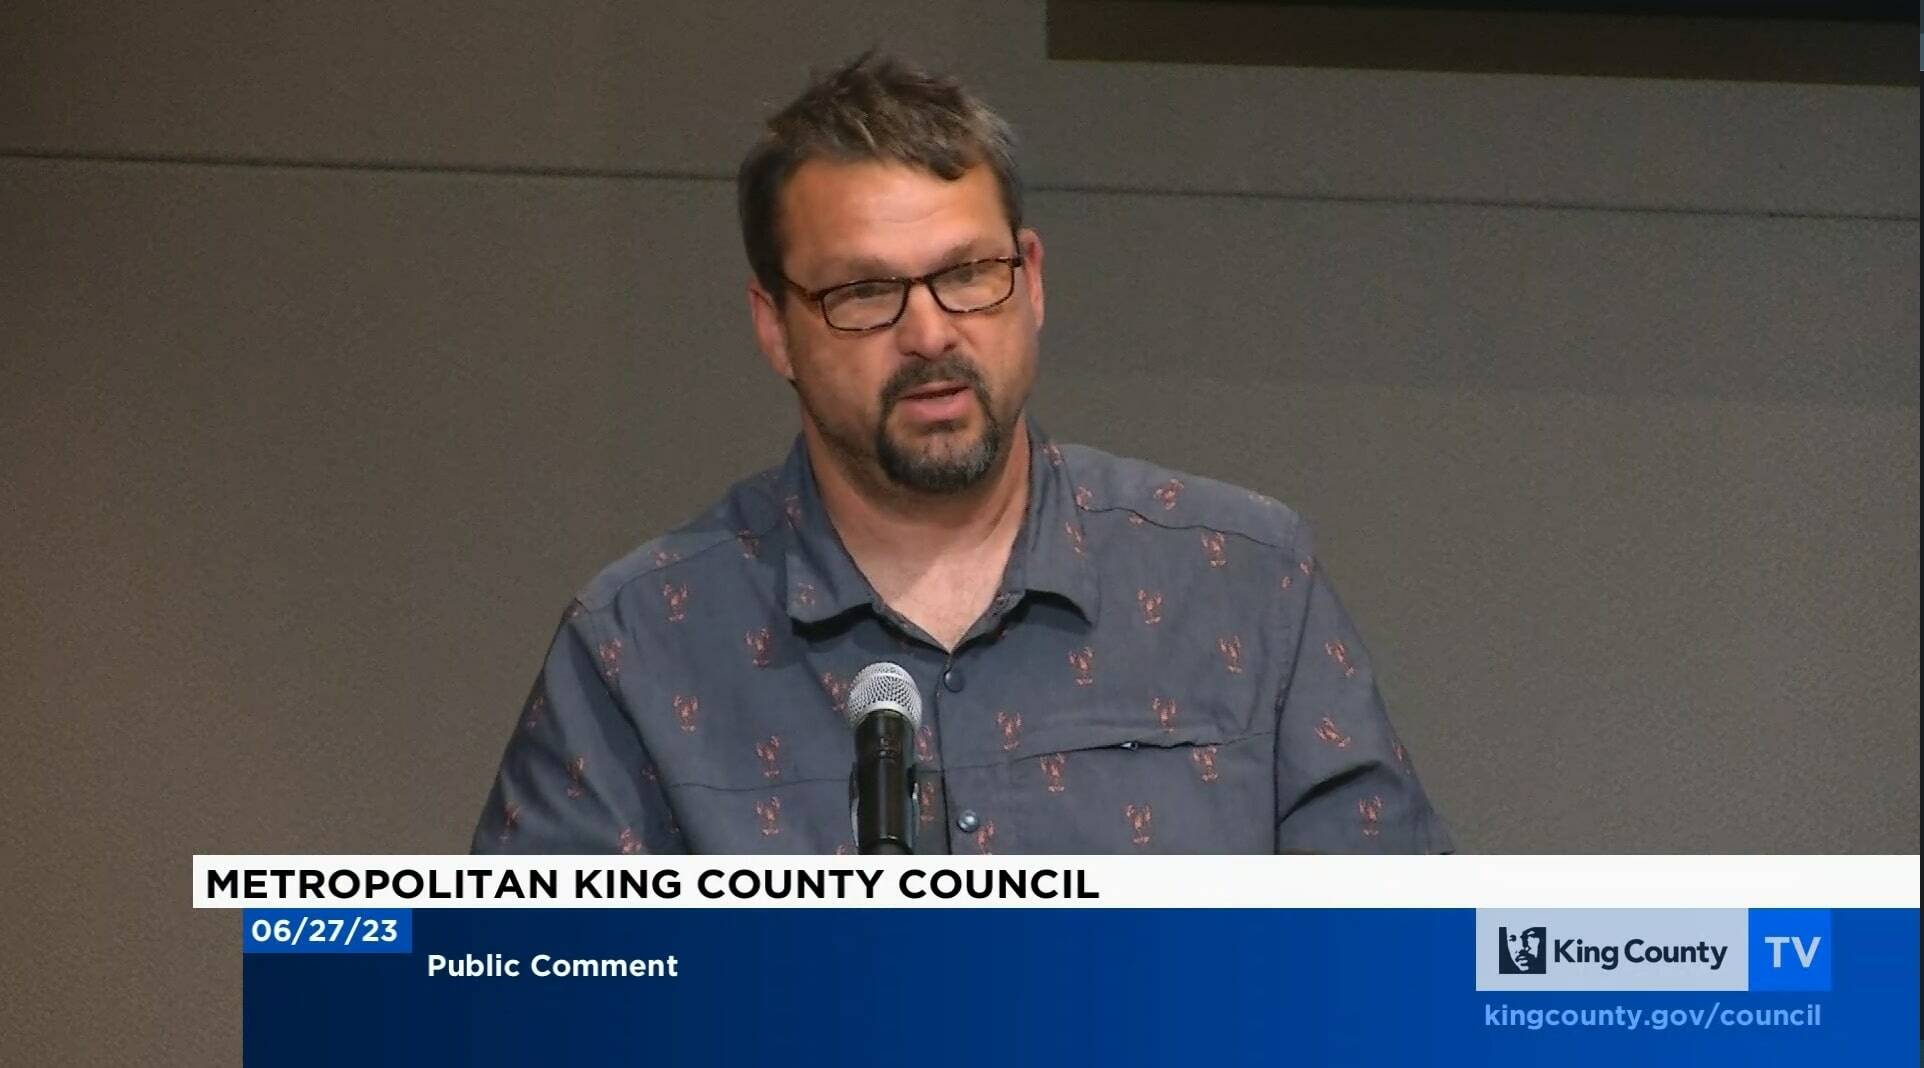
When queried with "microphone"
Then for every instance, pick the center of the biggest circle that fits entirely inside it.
(885, 709)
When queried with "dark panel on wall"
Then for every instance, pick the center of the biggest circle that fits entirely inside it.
(1739, 43)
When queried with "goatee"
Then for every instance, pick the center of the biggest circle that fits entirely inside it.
(950, 472)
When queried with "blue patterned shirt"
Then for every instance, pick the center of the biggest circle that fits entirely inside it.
(1165, 668)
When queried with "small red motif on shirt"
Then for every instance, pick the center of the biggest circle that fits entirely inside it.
(758, 642)
(1340, 653)
(611, 659)
(770, 812)
(1084, 497)
(1306, 566)
(1371, 809)
(792, 510)
(577, 777)
(1327, 730)
(804, 594)
(985, 837)
(1205, 760)
(751, 545)
(1232, 650)
(1402, 756)
(837, 691)
(1074, 530)
(1084, 661)
(663, 557)
(1136, 520)
(1165, 709)
(1287, 583)
(1054, 454)
(1212, 543)
(1151, 606)
(1168, 492)
(1052, 766)
(1010, 724)
(676, 594)
(925, 801)
(510, 819)
(629, 842)
(925, 744)
(1138, 817)
(769, 751)
(685, 709)
(537, 706)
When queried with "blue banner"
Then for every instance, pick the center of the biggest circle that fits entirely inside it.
(327, 931)
(1097, 986)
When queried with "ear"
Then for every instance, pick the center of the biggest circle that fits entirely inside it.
(1030, 243)
(770, 334)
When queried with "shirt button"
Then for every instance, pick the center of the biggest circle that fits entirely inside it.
(952, 678)
(968, 821)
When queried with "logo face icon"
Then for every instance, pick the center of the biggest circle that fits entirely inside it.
(1521, 953)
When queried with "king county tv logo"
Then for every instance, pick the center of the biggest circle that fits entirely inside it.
(1522, 953)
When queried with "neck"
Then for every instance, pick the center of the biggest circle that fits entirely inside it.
(887, 528)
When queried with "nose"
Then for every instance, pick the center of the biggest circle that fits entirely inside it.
(925, 330)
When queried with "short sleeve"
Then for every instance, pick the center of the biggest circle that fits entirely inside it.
(575, 777)
(1345, 783)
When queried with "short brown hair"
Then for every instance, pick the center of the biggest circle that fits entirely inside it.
(876, 107)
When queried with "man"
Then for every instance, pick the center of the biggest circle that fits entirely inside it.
(1532, 951)
(1112, 657)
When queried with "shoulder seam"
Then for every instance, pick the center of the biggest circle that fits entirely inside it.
(1283, 539)
(657, 567)
(1280, 544)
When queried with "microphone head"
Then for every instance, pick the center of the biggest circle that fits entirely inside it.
(884, 687)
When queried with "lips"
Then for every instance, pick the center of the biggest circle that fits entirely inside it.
(938, 403)
(940, 389)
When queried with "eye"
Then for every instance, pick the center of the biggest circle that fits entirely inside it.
(866, 291)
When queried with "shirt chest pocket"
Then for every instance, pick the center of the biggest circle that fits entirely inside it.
(1136, 723)
(1119, 788)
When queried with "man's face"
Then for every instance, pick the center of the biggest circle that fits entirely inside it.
(932, 402)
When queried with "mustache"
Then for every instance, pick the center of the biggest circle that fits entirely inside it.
(921, 373)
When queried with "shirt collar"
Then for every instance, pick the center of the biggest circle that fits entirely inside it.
(1051, 553)
(823, 581)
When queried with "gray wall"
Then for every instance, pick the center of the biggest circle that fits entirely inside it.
(341, 344)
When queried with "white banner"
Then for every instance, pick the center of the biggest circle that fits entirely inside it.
(1461, 881)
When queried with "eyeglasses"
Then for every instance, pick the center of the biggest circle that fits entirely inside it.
(873, 303)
